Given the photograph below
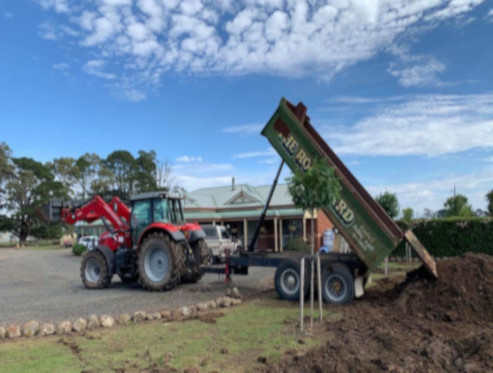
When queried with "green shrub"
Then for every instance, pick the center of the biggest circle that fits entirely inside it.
(78, 249)
(451, 236)
(297, 244)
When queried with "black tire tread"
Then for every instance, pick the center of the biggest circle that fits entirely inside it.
(288, 263)
(343, 271)
(177, 260)
(104, 278)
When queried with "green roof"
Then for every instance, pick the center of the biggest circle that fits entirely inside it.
(242, 202)
(227, 197)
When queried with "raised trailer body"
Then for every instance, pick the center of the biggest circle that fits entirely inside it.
(364, 224)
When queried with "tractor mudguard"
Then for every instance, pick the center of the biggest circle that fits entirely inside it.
(177, 236)
(109, 255)
(170, 229)
(196, 235)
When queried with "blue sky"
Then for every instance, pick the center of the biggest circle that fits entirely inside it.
(402, 90)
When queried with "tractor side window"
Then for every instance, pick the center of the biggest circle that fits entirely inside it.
(141, 215)
(174, 212)
(161, 210)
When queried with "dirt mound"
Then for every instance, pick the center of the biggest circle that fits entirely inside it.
(420, 325)
(463, 291)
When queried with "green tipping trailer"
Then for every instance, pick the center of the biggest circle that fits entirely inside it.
(367, 228)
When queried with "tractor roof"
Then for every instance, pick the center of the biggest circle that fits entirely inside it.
(152, 195)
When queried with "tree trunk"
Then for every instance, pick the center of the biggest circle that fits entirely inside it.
(23, 234)
(312, 269)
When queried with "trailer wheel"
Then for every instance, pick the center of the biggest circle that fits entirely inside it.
(337, 284)
(160, 262)
(287, 280)
(94, 271)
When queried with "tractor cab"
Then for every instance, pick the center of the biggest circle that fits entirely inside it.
(154, 207)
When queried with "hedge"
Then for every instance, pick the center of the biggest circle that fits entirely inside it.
(78, 249)
(451, 236)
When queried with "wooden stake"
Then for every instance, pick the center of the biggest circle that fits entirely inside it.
(312, 293)
(319, 286)
(302, 293)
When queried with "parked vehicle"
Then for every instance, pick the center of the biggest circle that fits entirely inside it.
(89, 242)
(218, 239)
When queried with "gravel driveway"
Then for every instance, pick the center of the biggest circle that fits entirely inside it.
(45, 285)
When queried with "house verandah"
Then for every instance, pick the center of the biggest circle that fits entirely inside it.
(239, 208)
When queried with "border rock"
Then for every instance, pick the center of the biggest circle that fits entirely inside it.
(139, 316)
(156, 316)
(64, 327)
(165, 314)
(79, 325)
(107, 321)
(47, 329)
(13, 331)
(30, 329)
(124, 319)
(93, 322)
(149, 316)
(2, 332)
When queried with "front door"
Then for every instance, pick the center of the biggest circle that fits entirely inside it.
(140, 219)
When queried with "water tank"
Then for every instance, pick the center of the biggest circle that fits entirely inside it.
(328, 239)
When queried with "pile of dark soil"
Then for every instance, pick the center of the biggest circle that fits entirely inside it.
(421, 325)
(464, 291)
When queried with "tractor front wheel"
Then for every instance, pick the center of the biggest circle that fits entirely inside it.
(160, 262)
(94, 271)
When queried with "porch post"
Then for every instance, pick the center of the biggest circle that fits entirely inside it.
(245, 233)
(280, 235)
(304, 227)
(275, 235)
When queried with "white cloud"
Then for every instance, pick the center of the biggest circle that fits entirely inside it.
(188, 159)
(269, 161)
(48, 31)
(244, 129)
(424, 74)
(8, 15)
(433, 193)
(61, 66)
(266, 153)
(59, 6)
(490, 14)
(424, 125)
(95, 67)
(290, 38)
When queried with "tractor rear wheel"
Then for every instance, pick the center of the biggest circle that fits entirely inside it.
(94, 271)
(160, 262)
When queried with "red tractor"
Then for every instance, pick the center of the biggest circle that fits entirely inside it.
(150, 242)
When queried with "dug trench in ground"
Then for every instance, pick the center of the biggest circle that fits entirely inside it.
(416, 326)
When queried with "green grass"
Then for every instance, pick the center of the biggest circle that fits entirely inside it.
(263, 327)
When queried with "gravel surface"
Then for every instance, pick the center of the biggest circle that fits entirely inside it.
(45, 285)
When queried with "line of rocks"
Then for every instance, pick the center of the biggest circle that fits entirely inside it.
(34, 328)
